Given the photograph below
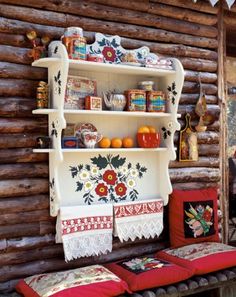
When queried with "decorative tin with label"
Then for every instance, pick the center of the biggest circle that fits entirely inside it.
(156, 101)
(77, 89)
(136, 100)
(69, 142)
(76, 47)
(93, 103)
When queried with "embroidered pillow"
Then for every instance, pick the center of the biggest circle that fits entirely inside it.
(202, 257)
(91, 281)
(193, 217)
(148, 272)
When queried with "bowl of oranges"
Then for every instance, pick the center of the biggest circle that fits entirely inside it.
(148, 137)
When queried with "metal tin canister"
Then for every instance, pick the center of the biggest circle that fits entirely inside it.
(156, 101)
(136, 100)
(76, 47)
(73, 32)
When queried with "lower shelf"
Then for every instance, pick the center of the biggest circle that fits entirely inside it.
(98, 150)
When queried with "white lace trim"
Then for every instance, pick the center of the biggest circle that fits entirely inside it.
(151, 227)
(87, 245)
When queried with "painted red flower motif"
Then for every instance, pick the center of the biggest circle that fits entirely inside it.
(109, 176)
(101, 189)
(120, 189)
(207, 215)
(109, 53)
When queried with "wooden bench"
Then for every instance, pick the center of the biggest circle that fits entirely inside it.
(212, 282)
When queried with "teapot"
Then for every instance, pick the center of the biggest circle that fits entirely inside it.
(114, 101)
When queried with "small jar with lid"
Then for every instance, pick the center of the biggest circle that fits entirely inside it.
(73, 32)
(147, 85)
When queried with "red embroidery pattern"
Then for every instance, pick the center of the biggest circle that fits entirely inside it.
(138, 209)
(86, 224)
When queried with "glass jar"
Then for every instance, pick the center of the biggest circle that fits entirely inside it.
(146, 85)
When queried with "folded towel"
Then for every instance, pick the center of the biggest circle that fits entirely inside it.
(85, 230)
(138, 219)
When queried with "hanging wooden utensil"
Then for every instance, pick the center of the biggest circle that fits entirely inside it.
(188, 148)
(201, 109)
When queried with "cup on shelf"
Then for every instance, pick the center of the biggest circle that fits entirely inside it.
(44, 142)
(90, 139)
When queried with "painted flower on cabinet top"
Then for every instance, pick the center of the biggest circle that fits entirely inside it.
(108, 179)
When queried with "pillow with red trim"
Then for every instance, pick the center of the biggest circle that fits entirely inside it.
(202, 257)
(148, 272)
(91, 281)
(193, 217)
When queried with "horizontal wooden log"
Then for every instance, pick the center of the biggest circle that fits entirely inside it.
(26, 243)
(204, 76)
(23, 155)
(193, 98)
(15, 40)
(14, 54)
(213, 127)
(195, 185)
(208, 150)
(198, 6)
(202, 162)
(47, 265)
(111, 28)
(23, 187)
(23, 170)
(212, 110)
(194, 174)
(18, 257)
(192, 87)
(11, 70)
(24, 217)
(23, 204)
(9, 287)
(208, 137)
(10, 125)
(162, 9)
(19, 140)
(198, 64)
(167, 49)
(18, 87)
(101, 12)
(17, 107)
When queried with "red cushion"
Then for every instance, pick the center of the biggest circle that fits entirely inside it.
(201, 257)
(147, 272)
(91, 281)
(193, 217)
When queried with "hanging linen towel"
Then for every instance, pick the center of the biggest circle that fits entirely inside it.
(138, 219)
(85, 230)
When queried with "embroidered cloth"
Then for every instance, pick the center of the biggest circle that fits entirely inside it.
(213, 2)
(138, 219)
(85, 230)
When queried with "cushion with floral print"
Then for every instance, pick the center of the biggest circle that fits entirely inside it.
(91, 281)
(193, 216)
(202, 257)
(148, 272)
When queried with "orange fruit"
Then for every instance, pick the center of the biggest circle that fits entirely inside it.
(152, 129)
(105, 142)
(116, 142)
(127, 142)
(143, 129)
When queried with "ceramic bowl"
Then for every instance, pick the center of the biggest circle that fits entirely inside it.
(148, 140)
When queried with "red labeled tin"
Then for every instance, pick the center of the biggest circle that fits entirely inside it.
(156, 101)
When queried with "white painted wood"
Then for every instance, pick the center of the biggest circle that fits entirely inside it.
(155, 182)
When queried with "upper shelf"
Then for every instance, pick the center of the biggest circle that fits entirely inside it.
(108, 68)
(106, 113)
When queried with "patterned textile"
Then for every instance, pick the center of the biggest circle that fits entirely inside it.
(200, 250)
(213, 2)
(88, 281)
(138, 219)
(85, 230)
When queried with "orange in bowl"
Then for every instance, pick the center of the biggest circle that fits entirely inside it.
(152, 129)
(105, 142)
(143, 129)
(127, 142)
(116, 142)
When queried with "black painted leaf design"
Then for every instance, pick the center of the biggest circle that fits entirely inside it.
(55, 49)
(129, 165)
(79, 186)
(100, 161)
(113, 43)
(74, 171)
(87, 167)
(116, 161)
(103, 199)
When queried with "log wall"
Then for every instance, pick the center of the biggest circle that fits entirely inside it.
(169, 28)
